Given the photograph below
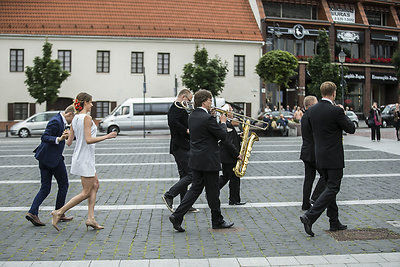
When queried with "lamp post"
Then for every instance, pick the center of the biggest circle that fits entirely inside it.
(342, 58)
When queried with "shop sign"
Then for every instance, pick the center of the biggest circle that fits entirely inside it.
(383, 77)
(298, 31)
(354, 76)
(384, 37)
(343, 15)
(350, 36)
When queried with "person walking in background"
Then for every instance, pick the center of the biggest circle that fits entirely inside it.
(51, 163)
(396, 114)
(179, 147)
(328, 123)
(375, 121)
(229, 150)
(307, 155)
(83, 159)
(204, 161)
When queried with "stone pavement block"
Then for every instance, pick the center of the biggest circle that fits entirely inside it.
(219, 262)
(363, 265)
(17, 264)
(75, 264)
(164, 263)
(395, 256)
(390, 264)
(256, 261)
(136, 263)
(104, 263)
(331, 265)
(370, 258)
(193, 263)
(46, 263)
(311, 259)
(282, 261)
(340, 259)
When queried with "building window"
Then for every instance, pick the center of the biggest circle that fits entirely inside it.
(65, 58)
(20, 111)
(16, 60)
(310, 47)
(377, 18)
(352, 50)
(381, 50)
(103, 61)
(137, 62)
(285, 10)
(163, 63)
(239, 65)
(102, 109)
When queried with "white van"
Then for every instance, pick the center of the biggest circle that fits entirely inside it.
(130, 114)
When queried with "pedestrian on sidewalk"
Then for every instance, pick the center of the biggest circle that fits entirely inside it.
(204, 161)
(375, 122)
(51, 163)
(328, 121)
(396, 119)
(83, 159)
(307, 155)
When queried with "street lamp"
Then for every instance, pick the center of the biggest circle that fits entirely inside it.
(342, 59)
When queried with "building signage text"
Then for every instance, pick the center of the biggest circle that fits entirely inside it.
(383, 77)
(354, 76)
(343, 15)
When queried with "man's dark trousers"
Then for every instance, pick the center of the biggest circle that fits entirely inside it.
(327, 199)
(309, 177)
(185, 174)
(60, 173)
(201, 179)
(234, 182)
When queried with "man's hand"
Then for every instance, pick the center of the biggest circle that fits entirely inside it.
(63, 136)
(222, 119)
(240, 157)
(187, 131)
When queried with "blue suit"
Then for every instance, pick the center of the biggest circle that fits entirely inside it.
(51, 162)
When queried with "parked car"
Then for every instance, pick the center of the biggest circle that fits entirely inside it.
(275, 114)
(353, 117)
(387, 116)
(35, 124)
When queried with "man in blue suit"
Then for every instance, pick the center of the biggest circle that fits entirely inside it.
(51, 162)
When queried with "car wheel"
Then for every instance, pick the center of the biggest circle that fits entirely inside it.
(23, 133)
(384, 124)
(355, 124)
(113, 129)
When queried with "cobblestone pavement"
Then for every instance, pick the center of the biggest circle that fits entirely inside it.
(134, 172)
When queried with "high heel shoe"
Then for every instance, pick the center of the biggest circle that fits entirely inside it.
(55, 219)
(93, 224)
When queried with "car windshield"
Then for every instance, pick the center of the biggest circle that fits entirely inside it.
(387, 109)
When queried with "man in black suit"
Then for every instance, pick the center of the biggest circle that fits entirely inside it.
(179, 148)
(204, 161)
(51, 163)
(307, 154)
(327, 123)
(229, 150)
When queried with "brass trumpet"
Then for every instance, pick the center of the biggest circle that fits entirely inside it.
(243, 119)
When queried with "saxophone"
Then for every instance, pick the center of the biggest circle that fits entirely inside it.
(245, 150)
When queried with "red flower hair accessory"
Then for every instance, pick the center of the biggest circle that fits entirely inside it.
(77, 105)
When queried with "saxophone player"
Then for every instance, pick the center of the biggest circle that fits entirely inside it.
(229, 150)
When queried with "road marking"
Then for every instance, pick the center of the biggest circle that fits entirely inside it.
(204, 206)
(168, 179)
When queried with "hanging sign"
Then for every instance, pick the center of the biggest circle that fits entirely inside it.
(345, 15)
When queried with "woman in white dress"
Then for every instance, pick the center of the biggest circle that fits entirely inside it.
(83, 159)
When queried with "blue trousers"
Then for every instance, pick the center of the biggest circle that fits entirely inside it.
(60, 173)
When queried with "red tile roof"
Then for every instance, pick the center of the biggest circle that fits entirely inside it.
(197, 19)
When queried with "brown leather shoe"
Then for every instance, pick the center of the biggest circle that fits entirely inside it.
(34, 219)
(65, 218)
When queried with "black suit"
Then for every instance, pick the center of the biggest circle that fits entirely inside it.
(328, 122)
(179, 148)
(204, 160)
(229, 151)
(307, 154)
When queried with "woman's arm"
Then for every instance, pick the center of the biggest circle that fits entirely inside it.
(87, 123)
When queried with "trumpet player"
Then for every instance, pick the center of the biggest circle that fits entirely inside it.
(230, 152)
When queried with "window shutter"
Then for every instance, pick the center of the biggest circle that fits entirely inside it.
(93, 111)
(32, 109)
(113, 105)
(248, 109)
(10, 111)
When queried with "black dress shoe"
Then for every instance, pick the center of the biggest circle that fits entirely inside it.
(168, 202)
(223, 225)
(307, 224)
(237, 203)
(337, 227)
(176, 224)
(193, 210)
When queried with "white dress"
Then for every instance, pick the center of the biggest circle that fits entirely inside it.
(83, 159)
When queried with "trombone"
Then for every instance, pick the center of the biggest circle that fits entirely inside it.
(243, 119)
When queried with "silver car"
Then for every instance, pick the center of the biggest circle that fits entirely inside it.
(35, 124)
(353, 117)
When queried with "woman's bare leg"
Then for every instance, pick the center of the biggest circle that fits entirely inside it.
(92, 197)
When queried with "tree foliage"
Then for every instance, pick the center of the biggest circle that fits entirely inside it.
(44, 79)
(321, 69)
(205, 73)
(277, 66)
(396, 63)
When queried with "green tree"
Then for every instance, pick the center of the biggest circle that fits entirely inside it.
(396, 63)
(45, 77)
(277, 66)
(321, 69)
(205, 73)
